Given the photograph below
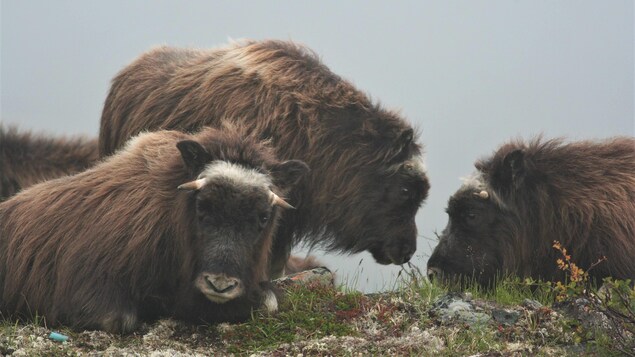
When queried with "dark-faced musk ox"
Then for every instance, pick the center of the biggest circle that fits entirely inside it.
(366, 181)
(505, 218)
(119, 243)
(27, 159)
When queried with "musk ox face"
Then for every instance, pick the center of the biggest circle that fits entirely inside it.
(387, 226)
(234, 215)
(472, 245)
(483, 239)
(236, 212)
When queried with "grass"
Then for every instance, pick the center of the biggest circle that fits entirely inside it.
(305, 312)
(315, 312)
(316, 319)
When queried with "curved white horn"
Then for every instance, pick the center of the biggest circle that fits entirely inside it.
(483, 194)
(193, 185)
(276, 200)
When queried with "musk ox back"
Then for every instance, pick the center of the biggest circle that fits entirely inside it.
(26, 159)
(119, 243)
(506, 217)
(366, 181)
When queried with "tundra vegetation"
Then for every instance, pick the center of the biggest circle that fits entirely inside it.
(417, 317)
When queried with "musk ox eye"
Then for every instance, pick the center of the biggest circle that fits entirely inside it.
(263, 219)
(471, 217)
(405, 192)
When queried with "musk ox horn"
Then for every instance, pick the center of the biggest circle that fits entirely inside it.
(483, 194)
(276, 200)
(193, 185)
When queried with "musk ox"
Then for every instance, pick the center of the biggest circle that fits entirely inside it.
(506, 217)
(118, 243)
(366, 181)
(26, 159)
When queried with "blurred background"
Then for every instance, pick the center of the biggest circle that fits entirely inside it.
(468, 74)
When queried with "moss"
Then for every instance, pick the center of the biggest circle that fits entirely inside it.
(312, 311)
(316, 319)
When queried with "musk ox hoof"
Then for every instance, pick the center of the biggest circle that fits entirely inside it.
(119, 322)
(270, 302)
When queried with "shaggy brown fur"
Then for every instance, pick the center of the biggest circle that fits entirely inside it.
(366, 182)
(26, 159)
(118, 242)
(581, 194)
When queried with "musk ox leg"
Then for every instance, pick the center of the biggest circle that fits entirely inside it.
(270, 301)
(114, 313)
(121, 322)
(104, 307)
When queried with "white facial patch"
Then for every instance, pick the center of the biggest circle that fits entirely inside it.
(475, 180)
(476, 184)
(414, 165)
(417, 164)
(236, 174)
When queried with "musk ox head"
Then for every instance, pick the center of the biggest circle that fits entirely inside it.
(376, 202)
(390, 231)
(486, 234)
(475, 241)
(236, 208)
(524, 197)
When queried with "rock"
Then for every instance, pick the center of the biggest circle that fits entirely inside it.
(453, 307)
(506, 317)
(583, 310)
(531, 304)
(320, 276)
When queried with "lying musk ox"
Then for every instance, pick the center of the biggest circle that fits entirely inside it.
(26, 159)
(119, 243)
(505, 219)
(366, 181)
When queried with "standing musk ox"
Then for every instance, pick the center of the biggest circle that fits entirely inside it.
(27, 159)
(505, 219)
(366, 181)
(119, 243)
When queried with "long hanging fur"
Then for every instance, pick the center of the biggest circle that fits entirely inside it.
(27, 158)
(581, 194)
(362, 156)
(118, 240)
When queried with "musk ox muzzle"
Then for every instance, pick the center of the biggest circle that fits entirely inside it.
(219, 288)
(394, 253)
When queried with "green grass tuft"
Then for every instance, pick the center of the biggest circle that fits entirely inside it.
(306, 312)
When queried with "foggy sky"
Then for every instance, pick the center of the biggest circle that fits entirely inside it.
(468, 74)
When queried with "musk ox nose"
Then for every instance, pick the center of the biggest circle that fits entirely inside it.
(433, 273)
(221, 284)
(408, 256)
(405, 256)
(219, 288)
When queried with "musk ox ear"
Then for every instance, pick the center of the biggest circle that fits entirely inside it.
(401, 147)
(514, 168)
(194, 155)
(289, 173)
